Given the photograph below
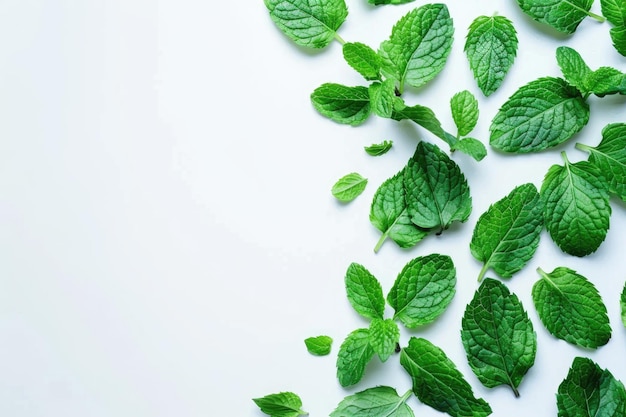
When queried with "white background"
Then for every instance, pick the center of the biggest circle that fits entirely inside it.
(168, 237)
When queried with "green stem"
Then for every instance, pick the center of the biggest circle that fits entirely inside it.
(599, 18)
(380, 242)
(483, 270)
(542, 272)
(515, 391)
(339, 39)
(406, 396)
(583, 147)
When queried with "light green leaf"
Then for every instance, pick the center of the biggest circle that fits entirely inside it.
(507, 235)
(589, 391)
(573, 67)
(310, 23)
(363, 59)
(472, 147)
(354, 355)
(424, 117)
(539, 115)
(364, 292)
(389, 214)
(318, 345)
(498, 336)
(614, 11)
(342, 104)
(562, 15)
(349, 187)
(571, 309)
(605, 81)
(282, 404)
(438, 383)
(423, 290)
(382, 97)
(437, 193)
(379, 401)
(576, 206)
(419, 46)
(610, 157)
(377, 149)
(384, 337)
(491, 47)
(464, 108)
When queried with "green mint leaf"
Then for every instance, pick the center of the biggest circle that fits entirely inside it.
(382, 97)
(363, 59)
(423, 290)
(342, 104)
(622, 302)
(576, 206)
(464, 108)
(377, 149)
(614, 11)
(438, 383)
(384, 337)
(282, 404)
(318, 345)
(610, 157)
(437, 193)
(506, 236)
(379, 2)
(589, 391)
(618, 36)
(571, 309)
(562, 15)
(539, 115)
(310, 23)
(349, 187)
(498, 336)
(573, 67)
(605, 81)
(354, 354)
(419, 46)
(364, 292)
(379, 401)
(491, 47)
(424, 117)
(472, 147)
(389, 214)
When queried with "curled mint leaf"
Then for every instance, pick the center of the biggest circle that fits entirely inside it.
(282, 404)
(377, 149)
(318, 345)
(562, 15)
(354, 354)
(472, 147)
(363, 59)
(364, 292)
(379, 401)
(342, 104)
(349, 187)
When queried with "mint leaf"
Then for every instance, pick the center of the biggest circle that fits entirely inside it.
(472, 147)
(622, 302)
(573, 67)
(589, 391)
(605, 81)
(379, 2)
(377, 149)
(389, 214)
(562, 15)
(610, 157)
(498, 336)
(318, 345)
(354, 354)
(424, 117)
(342, 104)
(423, 290)
(576, 206)
(464, 108)
(419, 46)
(349, 187)
(310, 23)
(283, 404)
(491, 47)
(379, 401)
(539, 115)
(384, 337)
(382, 96)
(438, 383)
(437, 193)
(507, 235)
(364, 292)
(614, 11)
(618, 36)
(570, 307)
(363, 59)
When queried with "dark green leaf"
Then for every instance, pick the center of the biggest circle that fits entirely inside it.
(562, 15)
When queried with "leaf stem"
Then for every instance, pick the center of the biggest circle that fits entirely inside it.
(339, 39)
(380, 242)
(515, 391)
(406, 396)
(483, 270)
(597, 17)
(583, 147)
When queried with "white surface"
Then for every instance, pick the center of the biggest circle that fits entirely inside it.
(168, 234)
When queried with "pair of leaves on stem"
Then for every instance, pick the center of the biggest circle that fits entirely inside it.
(420, 294)
(430, 193)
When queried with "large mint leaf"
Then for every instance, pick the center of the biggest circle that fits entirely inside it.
(379, 401)
(282, 404)
(576, 206)
(354, 354)
(384, 337)
(342, 104)
(364, 292)
(571, 308)
(419, 45)
(389, 214)
(610, 157)
(491, 47)
(438, 383)
(507, 235)
(562, 15)
(363, 59)
(423, 290)
(310, 23)
(573, 67)
(498, 336)
(539, 115)
(589, 391)
(437, 193)
(614, 11)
